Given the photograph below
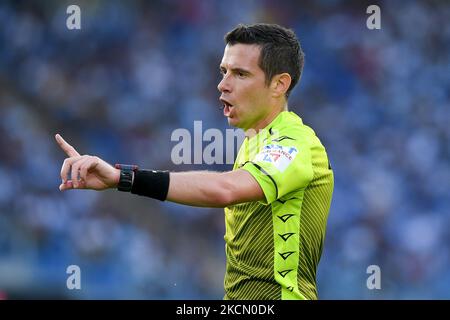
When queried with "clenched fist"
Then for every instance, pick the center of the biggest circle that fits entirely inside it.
(86, 172)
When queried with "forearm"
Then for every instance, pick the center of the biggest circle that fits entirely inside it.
(201, 189)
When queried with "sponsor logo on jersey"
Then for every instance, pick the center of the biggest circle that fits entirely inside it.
(280, 156)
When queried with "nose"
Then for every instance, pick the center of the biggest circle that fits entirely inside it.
(224, 85)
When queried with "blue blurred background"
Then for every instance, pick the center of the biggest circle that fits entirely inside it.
(136, 71)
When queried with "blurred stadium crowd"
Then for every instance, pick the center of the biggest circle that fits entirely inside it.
(136, 71)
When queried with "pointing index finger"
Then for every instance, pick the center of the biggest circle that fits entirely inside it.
(67, 148)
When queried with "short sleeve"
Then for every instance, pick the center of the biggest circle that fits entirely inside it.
(281, 168)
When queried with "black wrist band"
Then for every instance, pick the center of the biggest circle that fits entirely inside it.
(150, 183)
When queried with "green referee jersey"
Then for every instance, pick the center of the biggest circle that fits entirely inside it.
(273, 247)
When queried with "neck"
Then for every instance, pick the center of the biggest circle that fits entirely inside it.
(264, 122)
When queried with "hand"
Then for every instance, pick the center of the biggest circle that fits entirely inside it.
(86, 172)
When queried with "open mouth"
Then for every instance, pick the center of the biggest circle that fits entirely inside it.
(225, 104)
(227, 107)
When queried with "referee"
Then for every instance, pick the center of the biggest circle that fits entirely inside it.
(278, 195)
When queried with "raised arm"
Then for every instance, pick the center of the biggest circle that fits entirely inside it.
(195, 188)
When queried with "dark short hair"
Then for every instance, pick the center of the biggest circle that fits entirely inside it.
(280, 49)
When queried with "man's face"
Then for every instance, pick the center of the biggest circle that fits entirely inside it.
(244, 93)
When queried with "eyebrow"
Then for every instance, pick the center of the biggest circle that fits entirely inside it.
(235, 70)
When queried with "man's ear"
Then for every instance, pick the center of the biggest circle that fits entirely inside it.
(280, 84)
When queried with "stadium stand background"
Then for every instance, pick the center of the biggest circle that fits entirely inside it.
(136, 71)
